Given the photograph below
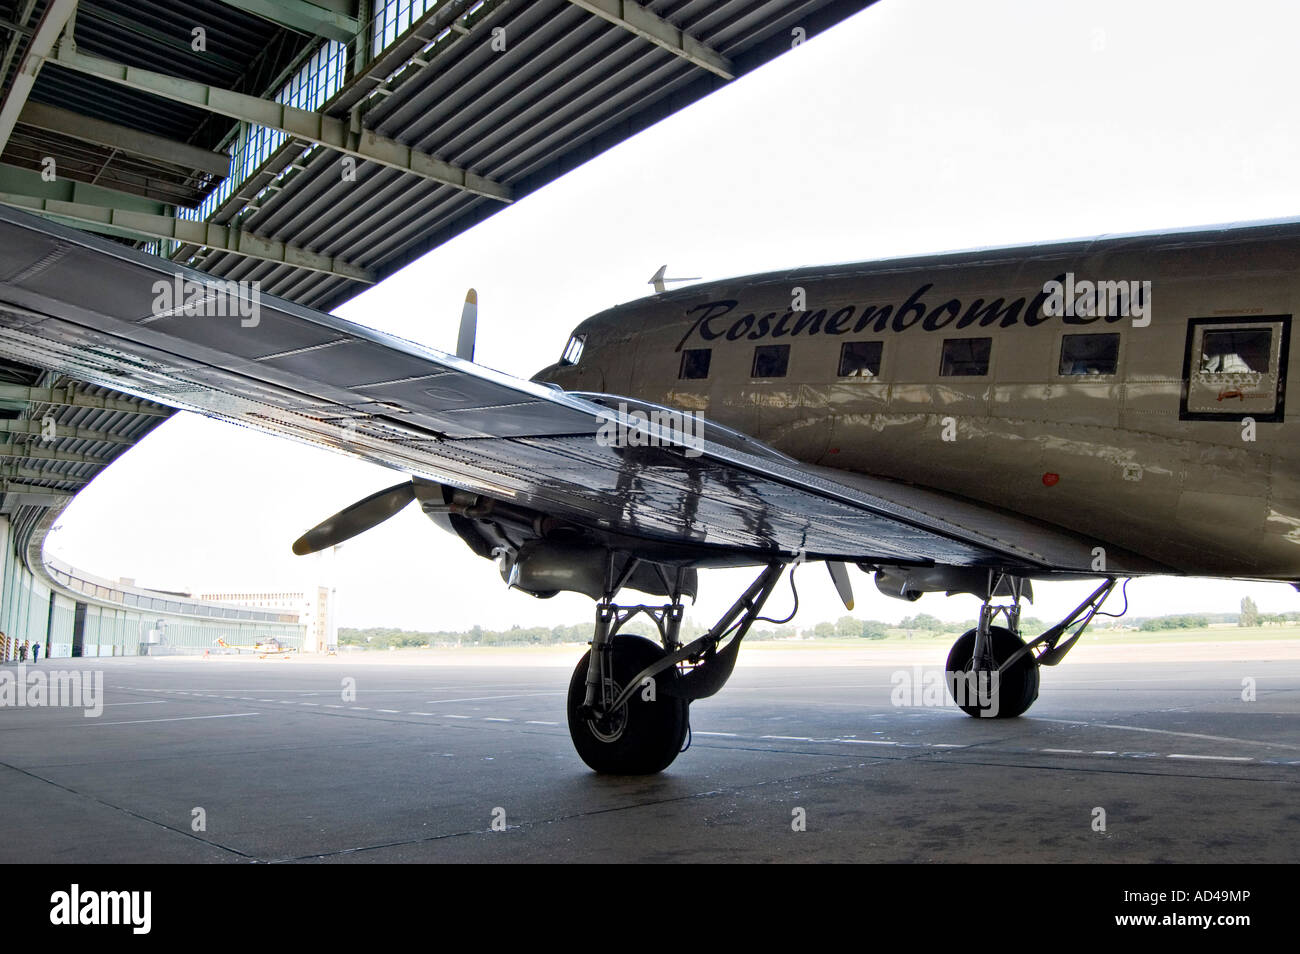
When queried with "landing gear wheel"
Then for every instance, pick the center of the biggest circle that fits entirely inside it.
(640, 738)
(1017, 688)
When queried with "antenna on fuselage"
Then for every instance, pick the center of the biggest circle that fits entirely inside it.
(659, 281)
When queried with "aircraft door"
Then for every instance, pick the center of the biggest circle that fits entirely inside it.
(1235, 368)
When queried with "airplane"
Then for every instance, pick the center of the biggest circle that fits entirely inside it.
(263, 647)
(1095, 409)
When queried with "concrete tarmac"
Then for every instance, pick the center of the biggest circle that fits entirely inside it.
(281, 765)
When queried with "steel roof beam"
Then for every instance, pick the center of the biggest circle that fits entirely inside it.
(72, 397)
(218, 237)
(16, 471)
(303, 17)
(299, 123)
(64, 432)
(31, 495)
(102, 133)
(37, 452)
(635, 18)
(46, 34)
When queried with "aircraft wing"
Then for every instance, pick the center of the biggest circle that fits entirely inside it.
(89, 308)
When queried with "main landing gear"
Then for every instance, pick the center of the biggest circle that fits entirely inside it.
(629, 699)
(991, 671)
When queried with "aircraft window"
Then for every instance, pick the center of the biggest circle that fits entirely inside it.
(860, 359)
(965, 357)
(695, 363)
(1089, 354)
(1228, 352)
(573, 350)
(771, 361)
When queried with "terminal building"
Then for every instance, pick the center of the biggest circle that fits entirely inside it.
(314, 147)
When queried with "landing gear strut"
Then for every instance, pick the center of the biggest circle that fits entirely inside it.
(991, 671)
(629, 699)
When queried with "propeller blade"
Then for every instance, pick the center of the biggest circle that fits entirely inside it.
(840, 574)
(358, 518)
(468, 327)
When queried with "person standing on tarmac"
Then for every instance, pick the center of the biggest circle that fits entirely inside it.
(36, 653)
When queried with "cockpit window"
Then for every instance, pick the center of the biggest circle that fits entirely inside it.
(1226, 352)
(573, 350)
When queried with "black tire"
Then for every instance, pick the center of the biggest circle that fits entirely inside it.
(644, 736)
(1017, 687)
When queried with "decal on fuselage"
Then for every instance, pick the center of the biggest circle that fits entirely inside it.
(723, 319)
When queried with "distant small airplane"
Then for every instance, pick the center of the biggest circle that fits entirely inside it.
(263, 647)
(659, 281)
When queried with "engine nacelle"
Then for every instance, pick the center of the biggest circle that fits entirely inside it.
(909, 583)
(538, 555)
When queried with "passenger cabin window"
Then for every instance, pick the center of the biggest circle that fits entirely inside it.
(695, 363)
(771, 361)
(965, 357)
(1232, 352)
(573, 350)
(860, 359)
(1089, 354)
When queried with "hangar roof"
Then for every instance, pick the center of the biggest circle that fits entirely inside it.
(447, 110)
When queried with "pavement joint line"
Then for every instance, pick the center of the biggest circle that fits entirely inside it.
(1213, 758)
(390, 711)
(126, 811)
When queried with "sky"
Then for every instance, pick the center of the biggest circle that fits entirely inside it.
(916, 126)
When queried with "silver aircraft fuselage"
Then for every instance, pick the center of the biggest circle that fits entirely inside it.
(1148, 412)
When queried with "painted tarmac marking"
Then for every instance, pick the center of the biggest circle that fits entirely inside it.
(153, 702)
(513, 695)
(1185, 735)
(867, 742)
(228, 715)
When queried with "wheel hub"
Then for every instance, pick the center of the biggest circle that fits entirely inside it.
(608, 727)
